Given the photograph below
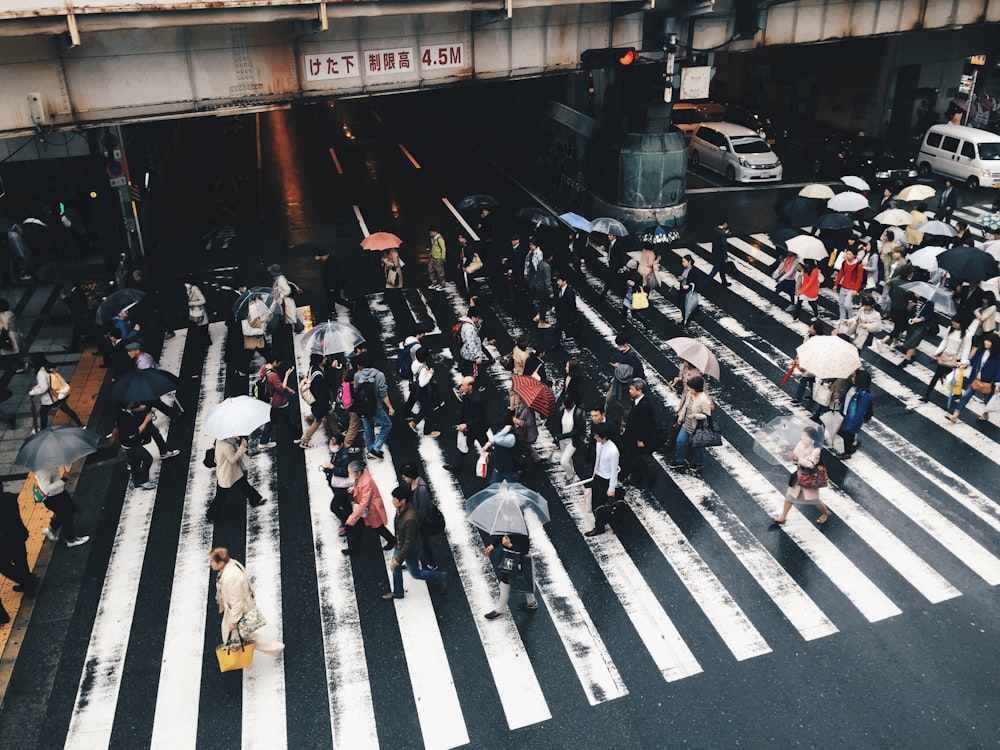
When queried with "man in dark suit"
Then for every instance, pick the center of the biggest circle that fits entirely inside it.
(472, 420)
(513, 263)
(617, 257)
(13, 555)
(637, 437)
(566, 315)
(720, 252)
(947, 203)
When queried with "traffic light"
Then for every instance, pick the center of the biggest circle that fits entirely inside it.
(610, 57)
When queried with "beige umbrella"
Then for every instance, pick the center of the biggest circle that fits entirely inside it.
(816, 190)
(828, 357)
(916, 193)
(893, 217)
(695, 352)
(807, 246)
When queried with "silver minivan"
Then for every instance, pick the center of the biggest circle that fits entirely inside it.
(965, 154)
(735, 151)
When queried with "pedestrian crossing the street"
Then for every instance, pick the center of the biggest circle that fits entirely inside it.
(693, 582)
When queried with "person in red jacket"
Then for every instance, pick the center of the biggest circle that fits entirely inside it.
(848, 283)
(808, 289)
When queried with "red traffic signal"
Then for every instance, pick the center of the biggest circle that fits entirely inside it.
(611, 57)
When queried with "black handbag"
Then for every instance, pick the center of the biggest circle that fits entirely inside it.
(706, 435)
(5, 340)
(508, 561)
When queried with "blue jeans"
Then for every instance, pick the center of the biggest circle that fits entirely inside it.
(496, 476)
(381, 420)
(804, 383)
(412, 565)
(964, 399)
(697, 454)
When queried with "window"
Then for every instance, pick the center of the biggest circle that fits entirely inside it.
(950, 144)
(968, 150)
(750, 145)
(989, 151)
(710, 136)
(934, 139)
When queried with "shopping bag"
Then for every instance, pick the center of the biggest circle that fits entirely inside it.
(483, 465)
(640, 300)
(462, 443)
(234, 655)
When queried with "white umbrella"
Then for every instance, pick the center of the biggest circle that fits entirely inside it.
(925, 257)
(805, 246)
(695, 352)
(816, 190)
(854, 182)
(847, 201)
(916, 193)
(894, 217)
(993, 248)
(938, 228)
(239, 415)
(828, 357)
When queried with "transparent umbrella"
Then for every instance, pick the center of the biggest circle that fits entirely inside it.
(780, 435)
(500, 508)
(943, 303)
(332, 337)
(255, 303)
(605, 225)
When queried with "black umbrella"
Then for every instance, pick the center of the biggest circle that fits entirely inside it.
(478, 201)
(781, 235)
(56, 446)
(968, 263)
(115, 302)
(139, 386)
(799, 211)
(833, 220)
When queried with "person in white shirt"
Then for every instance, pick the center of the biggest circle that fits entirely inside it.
(47, 397)
(605, 480)
(59, 501)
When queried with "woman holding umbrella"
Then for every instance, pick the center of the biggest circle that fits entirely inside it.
(320, 408)
(508, 553)
(392, 267)
(806, 456)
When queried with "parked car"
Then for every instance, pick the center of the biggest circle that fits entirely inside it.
(770, 128)
(880, 163)
(735, 151)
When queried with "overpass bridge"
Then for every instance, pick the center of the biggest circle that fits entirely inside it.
(70, 64)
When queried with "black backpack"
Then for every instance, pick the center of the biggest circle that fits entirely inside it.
(260, 389)
(364, 398)
(404, 360)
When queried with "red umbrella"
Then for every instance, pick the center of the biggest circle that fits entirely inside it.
(381, 241)
(535, 394)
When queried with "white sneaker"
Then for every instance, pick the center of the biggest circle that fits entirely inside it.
(49, 534)
(146, 486)
(170, 454)
(77, 541)
(265, 446)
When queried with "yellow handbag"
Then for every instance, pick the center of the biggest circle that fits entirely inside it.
(640, 300)
(233, 655)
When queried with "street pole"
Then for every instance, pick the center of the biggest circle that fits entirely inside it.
(670, 48)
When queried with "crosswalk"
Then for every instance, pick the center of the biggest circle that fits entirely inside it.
(695, 578)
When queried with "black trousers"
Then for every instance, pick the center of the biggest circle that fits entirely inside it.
(63, 510)
(140, 461)
(63, 406)
(221, 493)
(14, 563)
(355, 532)
(599, 497)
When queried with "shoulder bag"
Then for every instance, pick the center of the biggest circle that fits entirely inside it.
(706, 435)
(305, 391)
(475, 264)
(981, 386)
(640, 299)
(814, 478)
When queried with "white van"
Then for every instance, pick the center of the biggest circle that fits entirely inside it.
(735, 151)
(965, 154)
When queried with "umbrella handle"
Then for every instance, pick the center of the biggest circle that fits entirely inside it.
(788, 373)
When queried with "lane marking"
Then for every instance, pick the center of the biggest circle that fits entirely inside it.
(179, 686)
(101, 677)
(409, 156)
(513, 675)
(460, 219)
(336, 161)
(361, 220)
(658, 633)
(348, 688)
(264, 721)
(442, 724)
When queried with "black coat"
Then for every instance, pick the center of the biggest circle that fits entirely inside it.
(720, 246)
(576, 433)
(640, 425)
(12, 530)
(473, 414)
(565, 306)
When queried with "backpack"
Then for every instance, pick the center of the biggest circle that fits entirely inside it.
(456, 334)
(404, 360)
(259, 389)
(434, 523)
(58, 387)
(364, 398)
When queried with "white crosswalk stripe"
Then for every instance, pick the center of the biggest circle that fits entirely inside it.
(522, 687)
